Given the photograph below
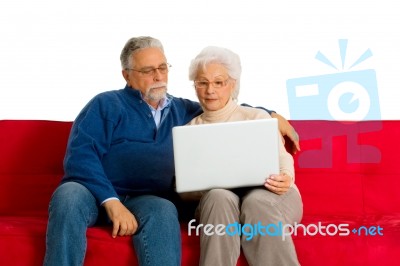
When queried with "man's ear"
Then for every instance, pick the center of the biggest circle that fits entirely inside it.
(125, 74)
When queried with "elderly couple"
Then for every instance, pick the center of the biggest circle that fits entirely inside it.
(119, 167)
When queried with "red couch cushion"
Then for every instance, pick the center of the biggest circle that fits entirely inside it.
(346, 172)
(31, 164)
(346, 187)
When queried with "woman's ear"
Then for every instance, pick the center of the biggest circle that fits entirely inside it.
(233, 88)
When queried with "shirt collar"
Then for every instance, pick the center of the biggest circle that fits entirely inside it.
(164, 102)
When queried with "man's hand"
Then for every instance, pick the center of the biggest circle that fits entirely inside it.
(286, 129)
(124, 222)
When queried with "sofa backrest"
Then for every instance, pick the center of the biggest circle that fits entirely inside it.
(343, 168)
(349, 168)
(31, 164)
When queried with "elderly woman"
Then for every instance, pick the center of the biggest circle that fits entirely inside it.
(216, 75)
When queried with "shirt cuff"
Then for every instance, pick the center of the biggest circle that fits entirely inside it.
(112, 198)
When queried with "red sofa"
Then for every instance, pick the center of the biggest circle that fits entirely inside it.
(348, 173)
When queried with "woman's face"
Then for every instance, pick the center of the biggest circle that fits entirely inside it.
(214, 87)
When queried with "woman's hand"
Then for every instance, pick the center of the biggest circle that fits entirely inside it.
(278, 184)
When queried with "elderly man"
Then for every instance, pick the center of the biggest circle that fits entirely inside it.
(119, 164)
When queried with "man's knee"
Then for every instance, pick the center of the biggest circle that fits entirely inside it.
(165, 209)
(71, 197)
(151, 207)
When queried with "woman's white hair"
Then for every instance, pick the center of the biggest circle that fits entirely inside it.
(218, 55)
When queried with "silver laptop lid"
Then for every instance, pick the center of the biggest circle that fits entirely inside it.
(225, 155)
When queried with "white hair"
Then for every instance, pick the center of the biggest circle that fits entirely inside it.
(135, 44)
(218, 55)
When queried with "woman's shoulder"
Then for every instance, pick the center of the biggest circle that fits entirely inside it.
(252, 112)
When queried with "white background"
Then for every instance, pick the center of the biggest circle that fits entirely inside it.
(55, 55)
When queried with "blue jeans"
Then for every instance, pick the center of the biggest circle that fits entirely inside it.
(73, 209)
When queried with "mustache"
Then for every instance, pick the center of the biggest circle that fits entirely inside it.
(157, 85)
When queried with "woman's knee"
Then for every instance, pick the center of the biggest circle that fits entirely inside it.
(263, 204)
(259, 198)
(220, 196)
(219, 201)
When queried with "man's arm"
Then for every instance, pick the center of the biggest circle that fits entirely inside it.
(89, 140)
(288, 130)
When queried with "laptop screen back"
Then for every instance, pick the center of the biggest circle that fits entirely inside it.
(225, 155)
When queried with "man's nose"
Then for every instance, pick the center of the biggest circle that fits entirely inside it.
(157, 74)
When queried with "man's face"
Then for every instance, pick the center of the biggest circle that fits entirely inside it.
(144, 75)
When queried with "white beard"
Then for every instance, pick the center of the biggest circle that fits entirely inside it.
(154, 93)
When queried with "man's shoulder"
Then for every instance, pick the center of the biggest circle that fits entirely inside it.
(185, 108)
(182, 101)
(109, 94)
(107, 97)
(107, 100)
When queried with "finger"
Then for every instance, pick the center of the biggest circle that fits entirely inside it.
(276, 178)
(272, 183)
(276, 190)
(129, 229)
(132, 227)
(135, 226)
(296, 146)
(273, 189)
(115, 229)
(294, 135)
(295, 138)
(279, 181)
(284, 178)
(123, 229)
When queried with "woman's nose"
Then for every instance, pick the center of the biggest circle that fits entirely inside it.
(210, 89)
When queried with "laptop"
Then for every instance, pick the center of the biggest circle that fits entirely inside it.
(225, 155)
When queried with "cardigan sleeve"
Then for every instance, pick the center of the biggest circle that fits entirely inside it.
(259, 107)
(89, 140)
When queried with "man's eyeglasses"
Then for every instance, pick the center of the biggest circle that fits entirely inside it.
(203, 84)
(150, 71)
